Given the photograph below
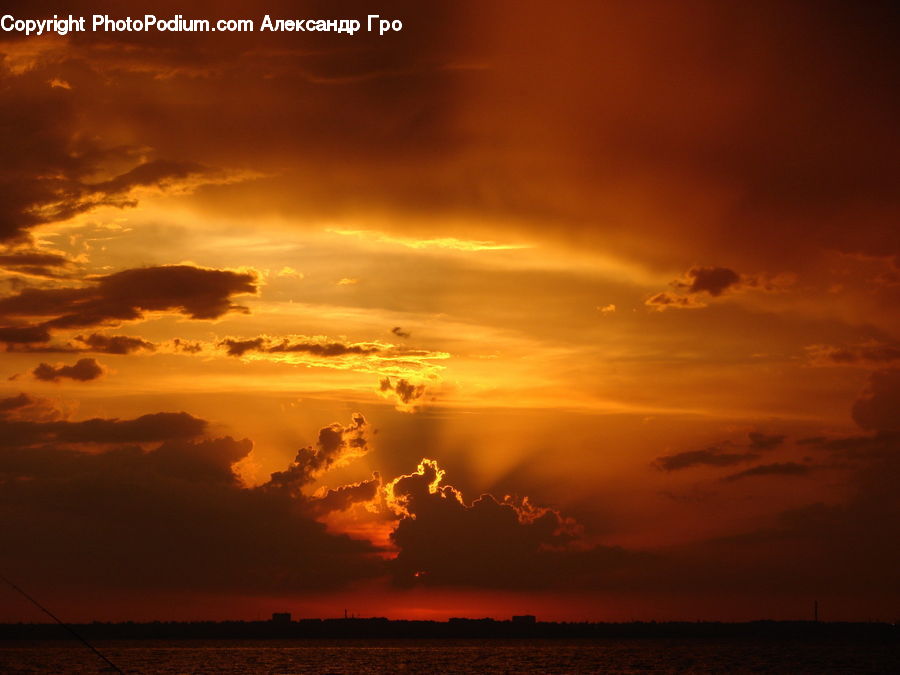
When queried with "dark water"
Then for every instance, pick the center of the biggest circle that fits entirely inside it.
(458, 656)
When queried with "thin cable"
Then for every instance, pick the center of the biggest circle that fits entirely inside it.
(61, 623)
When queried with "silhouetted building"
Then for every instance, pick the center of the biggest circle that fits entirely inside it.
(281, 617)
(525, 618)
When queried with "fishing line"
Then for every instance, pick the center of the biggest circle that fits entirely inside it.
(61, 623)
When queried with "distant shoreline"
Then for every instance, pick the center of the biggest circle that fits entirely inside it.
(381, 628)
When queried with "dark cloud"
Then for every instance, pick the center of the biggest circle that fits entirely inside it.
(335, 443)
(761, 441)
(47, 173)
(186, 346)
(442, 540)
(47, 176)
(877, 354)
(23, 334)
(666, 300)
(700, 284)
(235, 347)
(180, 519)
(853, 447)
(171, 517)
(84, 370)
(840, 551)
(666, 144)
(203, 460)
(33, 263)
(32, 258)
(95, 342)
(876, 411)
(240, 347)
(36, 430)
(399, 332)
(726, 453)
(712, 456)
(114, 344)
(775, 469)
(845, 549)
(405, 391)
(712, 280)
(660, 110)
(157, 173)
(345, 496)
(196, 292)
(878, 408)
(40, 151)
(24, 407)
(14, 403)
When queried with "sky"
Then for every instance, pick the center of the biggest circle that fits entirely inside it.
(584, 310)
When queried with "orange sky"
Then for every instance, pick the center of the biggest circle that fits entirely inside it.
(627, 275)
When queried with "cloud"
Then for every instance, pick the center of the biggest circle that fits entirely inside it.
(711, 280)
(761, 441)
(876, 411)
(49, 168)
(665, 300)
(289, 273)
(114, 344)
(380, 358)
(37, 427)
(705, 282)
(72, 197)
(34, 263)
(848, 548)
(706, 175)
(406, 394)
(49, 165)
(671, 131)
(399, 332)
(84, 370)
(11, 403)
(699, 284)
(345, 496)
(240, 347)
(775, 469)
(170, 517)
(199, 460)
(712, 456)
(878, 408)
(60, 158)
(19, 334)
(867, 354)
(726, 453)
(186, 346)
(336, 444)
(325, 349)
(443, 540)
(27, 408)
(196, 292)
(450, 243)
(95, 342)
(855, 448)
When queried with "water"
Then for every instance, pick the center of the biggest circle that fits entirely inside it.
(457, 656)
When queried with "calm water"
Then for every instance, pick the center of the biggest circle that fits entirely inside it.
(457, 656)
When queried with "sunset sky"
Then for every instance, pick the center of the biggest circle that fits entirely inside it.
(581, 309)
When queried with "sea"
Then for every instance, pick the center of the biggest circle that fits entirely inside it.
(283, 657)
